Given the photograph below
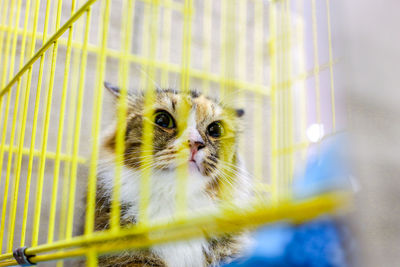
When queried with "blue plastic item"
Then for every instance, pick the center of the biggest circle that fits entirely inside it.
(319, 243)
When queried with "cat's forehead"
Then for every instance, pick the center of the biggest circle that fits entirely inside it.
(203, 106)
(206, 107)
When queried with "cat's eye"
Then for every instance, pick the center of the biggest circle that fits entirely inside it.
(164, 119)
(215, 129)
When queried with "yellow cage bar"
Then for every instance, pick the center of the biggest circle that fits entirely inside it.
(54, 58)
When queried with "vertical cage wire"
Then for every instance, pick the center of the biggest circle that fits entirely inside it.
(272, 57)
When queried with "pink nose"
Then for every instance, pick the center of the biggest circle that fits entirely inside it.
(194, 148)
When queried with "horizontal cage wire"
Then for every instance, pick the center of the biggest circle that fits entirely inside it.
(59, 125)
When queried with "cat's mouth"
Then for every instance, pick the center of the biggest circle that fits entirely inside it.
(193, 165)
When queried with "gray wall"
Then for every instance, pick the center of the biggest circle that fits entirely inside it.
(368, 35)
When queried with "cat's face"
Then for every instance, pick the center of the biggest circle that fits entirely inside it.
(206, 136)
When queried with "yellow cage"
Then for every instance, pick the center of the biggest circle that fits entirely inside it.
(54, 57)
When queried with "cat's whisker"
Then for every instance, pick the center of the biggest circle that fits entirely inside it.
(228, 96)
(226, 163)
(176, 81)
(149, 78)
(235, 171)
(225, 180)
(221, 174)
(237, 174)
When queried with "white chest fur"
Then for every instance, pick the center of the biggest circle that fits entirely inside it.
(162, 206)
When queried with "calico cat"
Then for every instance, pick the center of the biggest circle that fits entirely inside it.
(210, 141)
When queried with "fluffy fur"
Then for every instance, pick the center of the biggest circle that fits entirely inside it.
(213, 164)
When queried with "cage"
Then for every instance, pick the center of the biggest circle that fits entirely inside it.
(273, 58)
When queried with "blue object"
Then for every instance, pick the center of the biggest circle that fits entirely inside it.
(326, 171)
(319, 243)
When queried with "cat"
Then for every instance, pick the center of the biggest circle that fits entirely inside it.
(210, 141)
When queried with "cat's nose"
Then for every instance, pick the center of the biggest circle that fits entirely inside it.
(195, 141)
(196, 145)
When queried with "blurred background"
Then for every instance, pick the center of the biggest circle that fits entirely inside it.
(368, 40)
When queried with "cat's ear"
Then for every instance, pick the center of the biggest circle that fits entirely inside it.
(115, 90)
(239, 112)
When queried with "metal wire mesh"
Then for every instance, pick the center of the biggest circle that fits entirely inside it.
(273, 57)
